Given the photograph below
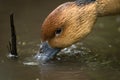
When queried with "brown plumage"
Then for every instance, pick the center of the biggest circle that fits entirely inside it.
(75, 21)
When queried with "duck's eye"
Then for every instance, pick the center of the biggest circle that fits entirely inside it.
(58, 31)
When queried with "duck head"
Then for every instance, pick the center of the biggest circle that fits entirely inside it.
(66, 25)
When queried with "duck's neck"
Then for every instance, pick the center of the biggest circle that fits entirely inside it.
(108, 7)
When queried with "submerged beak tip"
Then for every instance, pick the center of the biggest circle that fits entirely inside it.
(47, 52)
(44, 59)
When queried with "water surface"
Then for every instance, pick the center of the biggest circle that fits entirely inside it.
(97, 57)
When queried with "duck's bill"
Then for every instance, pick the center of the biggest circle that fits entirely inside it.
(47, 52)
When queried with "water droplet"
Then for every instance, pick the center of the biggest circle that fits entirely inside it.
(59, 59)
(19, 43)
(23, 43)
(37, 79)
(73, 46)
(109, 46)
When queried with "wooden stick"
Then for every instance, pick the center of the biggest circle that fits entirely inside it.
(12, 43)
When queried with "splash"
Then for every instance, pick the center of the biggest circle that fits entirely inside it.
(73, 50)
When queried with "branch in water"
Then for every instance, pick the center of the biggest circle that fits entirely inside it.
(12, 48)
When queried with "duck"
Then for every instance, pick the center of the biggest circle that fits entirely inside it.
(71, 22)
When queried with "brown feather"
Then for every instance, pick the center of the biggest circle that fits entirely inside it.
(75, 20)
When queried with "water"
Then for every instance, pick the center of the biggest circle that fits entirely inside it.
(97, 57)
